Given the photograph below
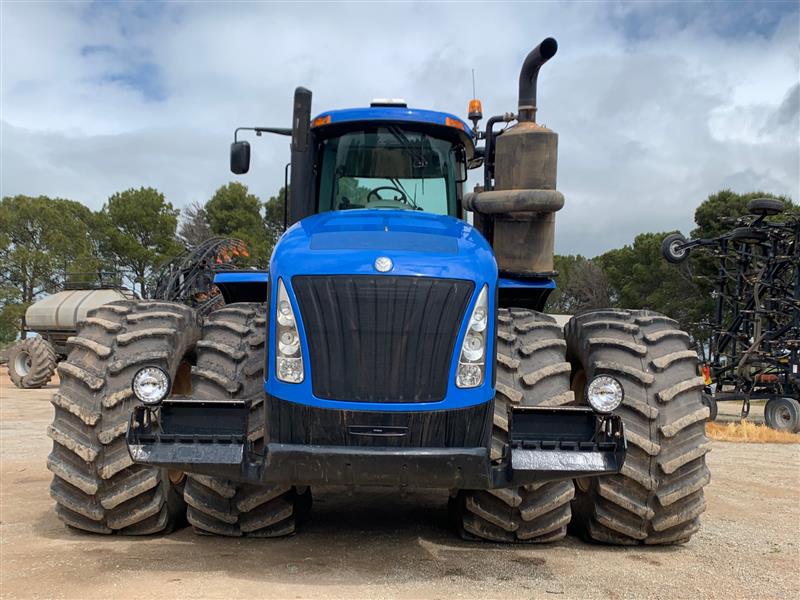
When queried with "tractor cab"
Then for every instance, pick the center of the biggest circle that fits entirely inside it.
(390, 157)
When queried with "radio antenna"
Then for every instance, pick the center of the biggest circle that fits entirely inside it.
(474, 95)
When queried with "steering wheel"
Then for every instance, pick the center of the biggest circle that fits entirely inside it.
(403, 198)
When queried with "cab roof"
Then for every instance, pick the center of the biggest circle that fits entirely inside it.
(397, 114)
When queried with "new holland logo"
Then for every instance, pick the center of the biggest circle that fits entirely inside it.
(383, 264)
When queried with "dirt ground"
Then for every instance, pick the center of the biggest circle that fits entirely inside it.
(381, 545)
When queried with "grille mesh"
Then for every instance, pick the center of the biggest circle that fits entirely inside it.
(383, 338)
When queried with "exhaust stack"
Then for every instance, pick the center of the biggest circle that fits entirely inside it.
(528, 76)
(517, 213)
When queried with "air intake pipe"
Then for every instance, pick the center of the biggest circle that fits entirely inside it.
(301, 190)
(518, 211)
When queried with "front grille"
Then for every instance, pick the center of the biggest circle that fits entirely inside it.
(381, 339)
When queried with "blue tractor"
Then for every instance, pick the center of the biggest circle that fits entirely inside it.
(397, 339)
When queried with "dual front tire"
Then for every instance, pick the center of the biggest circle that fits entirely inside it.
(658, 496)
(96, 485)
(531, 371)
(230, 364)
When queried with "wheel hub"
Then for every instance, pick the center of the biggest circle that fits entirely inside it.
(23, 363)
(674, 248)
(784, 417)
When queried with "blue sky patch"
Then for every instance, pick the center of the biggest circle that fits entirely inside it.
(144, 77)
(725, 19)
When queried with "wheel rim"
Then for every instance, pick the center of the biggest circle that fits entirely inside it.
(783, 417)
(673, 249)
(23, 363)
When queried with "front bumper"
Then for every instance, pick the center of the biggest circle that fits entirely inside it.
(210, 438)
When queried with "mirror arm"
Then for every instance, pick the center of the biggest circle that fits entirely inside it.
(260, 130)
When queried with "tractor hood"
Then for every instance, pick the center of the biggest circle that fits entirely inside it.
(418, 244)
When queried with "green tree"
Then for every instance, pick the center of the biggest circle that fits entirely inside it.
(558, 302)
(137, 229)
(274, 216)
(582, 285)
(194, 228)
(350, 189)
(234, 212)
(42, 240)
(640, 278)
(12, 312)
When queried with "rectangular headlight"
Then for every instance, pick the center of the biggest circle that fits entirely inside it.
(288, 355)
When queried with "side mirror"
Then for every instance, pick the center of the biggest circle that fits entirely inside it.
(461, 164)
(477, 158)
(240, 157)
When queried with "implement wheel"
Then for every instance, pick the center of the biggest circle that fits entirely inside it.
(230, 364)
(748, 235)
(31, 363)
(765, 206)
(658, 496)
(95, 484)
(531, 371)
(672, 248)
(783, 414)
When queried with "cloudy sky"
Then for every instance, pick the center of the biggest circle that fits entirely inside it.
(657, 104)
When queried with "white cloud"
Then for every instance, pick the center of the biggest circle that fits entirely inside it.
(656, 108)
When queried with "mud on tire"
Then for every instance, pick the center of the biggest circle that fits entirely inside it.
(95, 484)
(31, 363)
(658, 496)
(531, 371)
(230, 364)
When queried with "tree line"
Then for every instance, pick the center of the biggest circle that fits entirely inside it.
(45, 242)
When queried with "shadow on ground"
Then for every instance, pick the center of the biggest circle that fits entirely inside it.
(372, 537)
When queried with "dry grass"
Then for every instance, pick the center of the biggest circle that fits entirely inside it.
(744, 431)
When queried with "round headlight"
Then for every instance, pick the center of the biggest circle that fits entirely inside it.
(469, 375)
(604, 394)
(285, 316)
(473, 347)
(478, 322)
(151, 385)
(288, 343)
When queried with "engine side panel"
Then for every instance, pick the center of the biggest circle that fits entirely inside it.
(243, 286)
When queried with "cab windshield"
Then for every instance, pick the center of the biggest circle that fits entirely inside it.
(388, 167)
